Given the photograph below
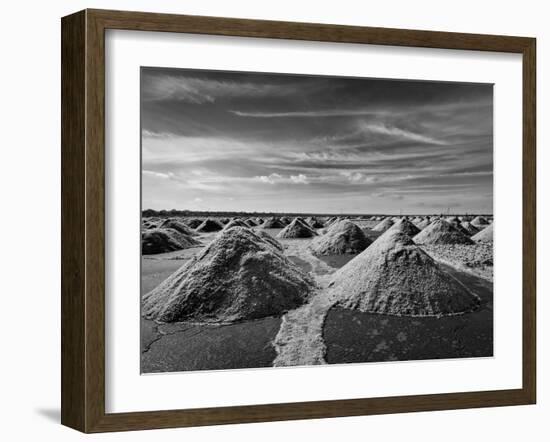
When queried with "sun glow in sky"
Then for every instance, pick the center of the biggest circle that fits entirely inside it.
(230, 141)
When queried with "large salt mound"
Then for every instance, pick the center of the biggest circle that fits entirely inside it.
(406, 227)
(396, 277)
(209, 225)
(383, 225)
(237, 277)
(469, 227)
(177, 225)
(342, 237)
(165, 240)
(273, 223)
(486, 235)
(440, 232)
(297, 229)
(251, 222)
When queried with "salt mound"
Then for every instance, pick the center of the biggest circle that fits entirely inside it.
(235, 223)
(396, 277)
(237, 277)
(165, 240)
(383, 225)
(269, 239)
(486, 235)
(453, 220)
(469, 227)
(193, 223)
(423, 224)
(406, 227)
(297, 229)
(209, 225)
(315, 223)
(342, 237)
(440, 232)
(479, 221)
(273, 223)
(177, 225)
(251, 222)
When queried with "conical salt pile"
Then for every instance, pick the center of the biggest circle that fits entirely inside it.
(269, 239)
(453, 220)
(237, 277)
(193, 223)
(423, 224)
(440, 232)
(486, 235)
(315, 223)
(383, 225)
(177, 225)
(251, 222)
(235, 223)
(165, 240)
(297, 229)
(479, 221)
(396, 277)
(469, 227)
(406, 227)
(209, 225)
(341, 237)
(273, 223)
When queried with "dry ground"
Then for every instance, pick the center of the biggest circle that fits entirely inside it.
(319, 332)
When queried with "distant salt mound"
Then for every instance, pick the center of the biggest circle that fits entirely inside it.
(297, 229)
(177, 225)
(440, 232)
(486, 235)
(480, 221)
(273, 223)
(341, 238)
(453, 220)
(394, 276)
(209, 225)
(235, 223)
(163, 240)
(315, 223)
(423, 224)
(469, 228)
(406, 227)
(237, 277)
(269, 239)
(383, 225)
(193, 223)
(251, 222)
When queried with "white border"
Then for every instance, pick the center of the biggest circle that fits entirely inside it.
(127, 391)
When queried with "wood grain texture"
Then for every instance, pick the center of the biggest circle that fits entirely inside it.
(83, 220)
(73, 255)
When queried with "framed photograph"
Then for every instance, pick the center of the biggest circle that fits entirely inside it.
(267, 221)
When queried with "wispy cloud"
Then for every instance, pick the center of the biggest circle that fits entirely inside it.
(399, 133)
(310, 114)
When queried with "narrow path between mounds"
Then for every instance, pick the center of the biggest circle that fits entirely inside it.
(300, 337)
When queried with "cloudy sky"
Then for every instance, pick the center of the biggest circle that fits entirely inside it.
(268, 142)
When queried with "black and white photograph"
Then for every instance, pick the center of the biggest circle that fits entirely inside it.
(295, 220)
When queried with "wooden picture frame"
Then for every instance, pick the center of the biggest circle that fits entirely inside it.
(83, 220)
